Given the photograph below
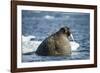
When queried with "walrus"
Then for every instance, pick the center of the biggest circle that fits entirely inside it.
(56, 44)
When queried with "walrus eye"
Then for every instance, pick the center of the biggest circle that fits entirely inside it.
(62, 30)
(67, 31)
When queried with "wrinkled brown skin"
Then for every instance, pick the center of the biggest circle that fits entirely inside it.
(56, 45)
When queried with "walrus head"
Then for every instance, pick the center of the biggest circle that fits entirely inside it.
(66, 31)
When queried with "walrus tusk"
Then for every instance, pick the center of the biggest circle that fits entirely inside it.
(72, 37)
(74, 44)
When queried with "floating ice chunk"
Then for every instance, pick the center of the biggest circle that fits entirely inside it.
(24, 38)
(74, 45)
(30, 46)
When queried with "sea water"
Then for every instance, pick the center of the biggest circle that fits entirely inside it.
(41, 24)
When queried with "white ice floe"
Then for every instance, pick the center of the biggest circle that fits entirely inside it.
(74, 45)
(27, 38)
(30, 46)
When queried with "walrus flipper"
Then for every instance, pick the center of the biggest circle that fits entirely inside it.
(42, 49)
